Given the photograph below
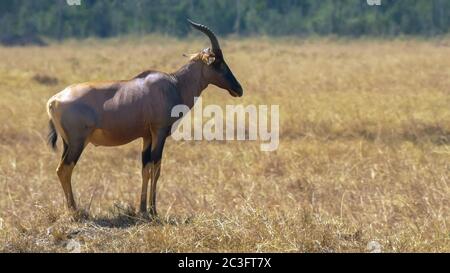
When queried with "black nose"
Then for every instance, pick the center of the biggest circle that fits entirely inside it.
(237, 91)
(240, 91)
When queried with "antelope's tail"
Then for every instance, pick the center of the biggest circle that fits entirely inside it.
(52, 135)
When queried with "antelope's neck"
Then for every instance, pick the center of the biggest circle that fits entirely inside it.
(190, 82)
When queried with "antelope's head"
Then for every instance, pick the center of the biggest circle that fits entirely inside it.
(216, 70)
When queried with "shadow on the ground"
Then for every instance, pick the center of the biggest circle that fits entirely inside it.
(120, 217)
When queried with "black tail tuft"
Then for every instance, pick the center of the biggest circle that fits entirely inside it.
(52, 135)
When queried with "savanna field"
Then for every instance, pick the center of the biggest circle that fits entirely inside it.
(363, 160)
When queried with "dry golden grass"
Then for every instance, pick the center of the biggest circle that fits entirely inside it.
(364, 152)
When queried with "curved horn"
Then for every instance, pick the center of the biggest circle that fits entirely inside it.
(214, 42)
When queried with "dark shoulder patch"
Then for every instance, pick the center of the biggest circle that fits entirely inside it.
(144, 74)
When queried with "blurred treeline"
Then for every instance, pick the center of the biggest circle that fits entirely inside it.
(105, 18)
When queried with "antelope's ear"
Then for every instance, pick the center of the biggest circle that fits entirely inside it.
(208, 56)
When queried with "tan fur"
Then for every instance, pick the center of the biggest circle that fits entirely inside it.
(206, 56)
(156, 171)
(65, 174)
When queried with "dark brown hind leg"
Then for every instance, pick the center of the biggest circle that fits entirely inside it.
(71, 154)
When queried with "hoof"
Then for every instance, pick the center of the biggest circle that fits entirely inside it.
(153, 213)
(143, 215)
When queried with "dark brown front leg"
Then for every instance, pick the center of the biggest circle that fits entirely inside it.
(146, 169)
(158, 140)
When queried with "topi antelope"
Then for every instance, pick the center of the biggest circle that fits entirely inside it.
(118, 112)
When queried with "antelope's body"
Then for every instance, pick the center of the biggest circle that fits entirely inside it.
(115, 113)
(118, 112)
